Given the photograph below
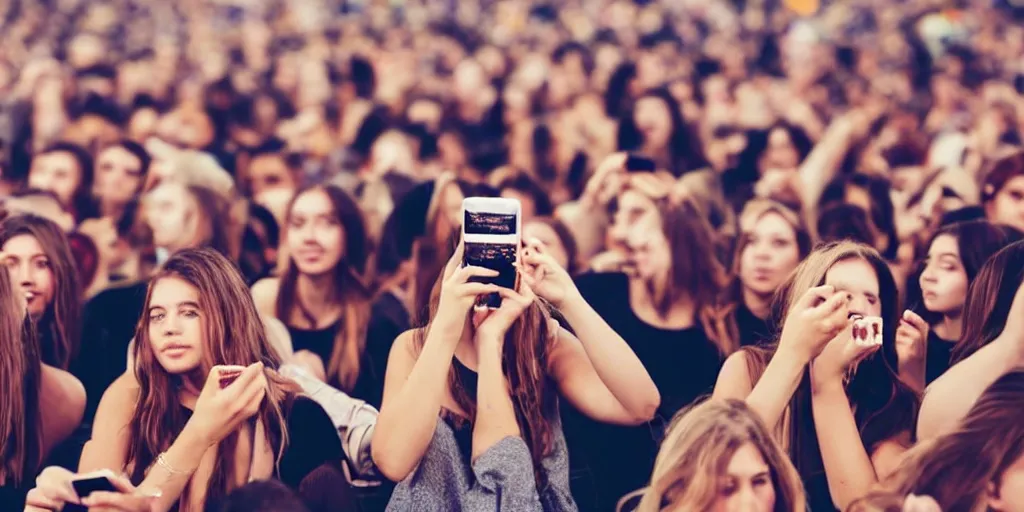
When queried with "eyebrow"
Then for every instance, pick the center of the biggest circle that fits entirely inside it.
(187, 303)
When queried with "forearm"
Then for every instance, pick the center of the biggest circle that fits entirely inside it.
(495, 414)
(822, 164)
(848, 466)
(406, 424)
(774, 390)
(914, 374)
(181, 461)
(614, 361)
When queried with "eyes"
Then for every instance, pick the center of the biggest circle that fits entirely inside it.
(731, 485)
(158, 316)
(38, 263)
(298, 221)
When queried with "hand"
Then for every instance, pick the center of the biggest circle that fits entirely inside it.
(491, 330)
(312, 363)
(921, 504)
(458, 294)
(911, 338)
(53, 490)
(544, 276)
(815, 320)
(600, 188)
(219, 411)
(846, 351)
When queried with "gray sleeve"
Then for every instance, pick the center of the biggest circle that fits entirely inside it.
(504, 479)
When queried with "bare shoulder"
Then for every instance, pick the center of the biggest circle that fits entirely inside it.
(405, 345)
(889, 454)
(119, 399)
(264, 294)
(734, 381)
(62, 404)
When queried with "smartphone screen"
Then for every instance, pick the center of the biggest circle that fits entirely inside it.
(88, 484)
(637, 163)
(490, 233)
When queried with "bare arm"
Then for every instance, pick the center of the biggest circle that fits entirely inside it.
(62, 405)
(108, 447)
(822, 164)
(598, 371)
(413, 392)
(495, 414)
(771, 395)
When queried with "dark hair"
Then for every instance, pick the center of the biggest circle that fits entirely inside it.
(21, 440)
(683, 143)
(883, 212)
(1000, 173)
(571, 47)
(60, 326)
(81, 201)
(617, 96)
(749, 159)
(844, 222)
(350, 290)
(976, 242)
(214, 208)
(86, 257)
(261, 496)
(989, 300)
(136, 150)
(523, 183)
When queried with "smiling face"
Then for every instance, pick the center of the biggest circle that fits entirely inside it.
(747, 483)
(118, 175)
(30, 272)
(944, 280)
(176, 326)
(316, 238)
(770, 254)
(57, 172)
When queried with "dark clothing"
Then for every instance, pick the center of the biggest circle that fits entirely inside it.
(684, 365)
(938, 358)
(753, 330)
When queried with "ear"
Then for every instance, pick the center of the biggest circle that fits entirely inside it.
(992, 497)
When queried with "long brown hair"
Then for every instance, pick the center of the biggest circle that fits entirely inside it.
(726, 327)
(20, 434)
(884, 407)
(349, 290)
(957, 468)
(698, 446)
(60, 326)
(525, 362)
(989, 300)
(234, 335)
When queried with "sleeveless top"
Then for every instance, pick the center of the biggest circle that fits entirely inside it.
(501, 479)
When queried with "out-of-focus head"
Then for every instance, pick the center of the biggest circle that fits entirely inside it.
(993, 297)
(324, 229)
(772, 244)
(1003, 191)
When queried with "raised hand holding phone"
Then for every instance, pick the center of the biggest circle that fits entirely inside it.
(459, 293)
(220, 410)
(491, 230)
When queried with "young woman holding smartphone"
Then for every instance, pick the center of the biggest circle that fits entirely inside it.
(470, 413)
(184, 433)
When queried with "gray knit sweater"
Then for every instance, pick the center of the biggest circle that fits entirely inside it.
(501, 479)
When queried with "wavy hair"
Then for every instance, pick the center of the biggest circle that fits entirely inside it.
(989, 300)
(697, 449)
(234, 335)
(59, 328)
(21, 445)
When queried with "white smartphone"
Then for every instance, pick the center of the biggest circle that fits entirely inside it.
(491, 233)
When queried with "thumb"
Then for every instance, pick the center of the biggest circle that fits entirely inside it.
(815, 296)
(915, 320)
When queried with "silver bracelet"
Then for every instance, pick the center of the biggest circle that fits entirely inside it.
(162, 462)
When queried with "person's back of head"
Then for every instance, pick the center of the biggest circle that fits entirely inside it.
(261, 496)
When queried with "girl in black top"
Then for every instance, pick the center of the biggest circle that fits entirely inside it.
(659, 309)
(182, 429)
(772, 243)
(955, 254)
(321, 296)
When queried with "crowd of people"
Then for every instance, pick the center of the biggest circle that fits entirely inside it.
(771, 255)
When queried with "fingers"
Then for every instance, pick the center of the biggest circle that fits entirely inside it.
(38, 500)
(463, 274)
(816, 296)
(836, 312)
(119, 501)
(477, 289)
(915, 321)
(455, 260)
(249, 375)
(122, 484)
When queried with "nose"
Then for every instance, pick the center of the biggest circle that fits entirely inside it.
(171, 325)
(22, 274)
(859, 306)
(761, 252)
(927, 276)
(746, 500)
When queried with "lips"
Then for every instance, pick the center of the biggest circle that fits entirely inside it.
(176, 348)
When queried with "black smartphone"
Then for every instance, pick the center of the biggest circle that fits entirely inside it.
(491, 236)
(638, 163)
(89, 483)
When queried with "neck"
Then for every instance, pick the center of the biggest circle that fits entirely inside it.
(315, 293)
(112, 210)
(950, 327)
(189, 392)
(758, 304)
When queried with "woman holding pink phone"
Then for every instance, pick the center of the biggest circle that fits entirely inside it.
(207, 412)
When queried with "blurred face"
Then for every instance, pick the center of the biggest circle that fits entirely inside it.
(549, 239)
(143, 124)
(635, 212)
(529, 207)
(944, 280)
(654, 121)
(747, 484)
(316, 238)
(1009, 491)
(56, 172)
(724, 147)
(268, 172)
(781, 153)
(30, 272)
(651, 254)
(176, 326)
(1007, 207)
(770, 255)
(44, 206)
(118, 175)
(170, 214)
(449, 212)
(857, 278)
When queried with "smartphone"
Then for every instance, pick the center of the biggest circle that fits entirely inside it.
(84, 485)
(491, 233)
(637, 163)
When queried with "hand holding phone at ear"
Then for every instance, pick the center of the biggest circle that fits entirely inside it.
(220, 410)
